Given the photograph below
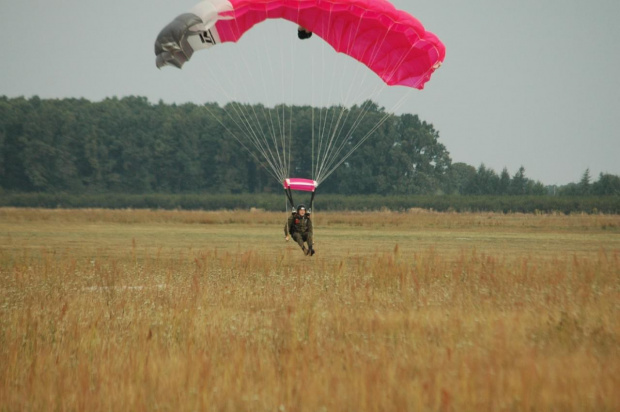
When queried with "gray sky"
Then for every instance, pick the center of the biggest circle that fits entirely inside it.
(527, 82)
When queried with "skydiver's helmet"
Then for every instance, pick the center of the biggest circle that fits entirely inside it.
(301, 207)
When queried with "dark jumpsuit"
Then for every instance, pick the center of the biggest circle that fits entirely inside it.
(300, 229)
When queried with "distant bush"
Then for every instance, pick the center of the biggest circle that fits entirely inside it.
(274, 202)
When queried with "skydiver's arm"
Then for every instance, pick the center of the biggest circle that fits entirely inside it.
(310, 227)
(287, 226)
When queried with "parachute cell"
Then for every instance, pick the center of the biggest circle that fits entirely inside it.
(304, 185)
(391, 42)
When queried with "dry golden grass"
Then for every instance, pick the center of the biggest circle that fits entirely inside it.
(174, 310)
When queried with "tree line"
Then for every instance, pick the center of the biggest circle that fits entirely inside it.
(130, 145)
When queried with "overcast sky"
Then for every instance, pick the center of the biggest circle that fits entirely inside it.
(529, 82)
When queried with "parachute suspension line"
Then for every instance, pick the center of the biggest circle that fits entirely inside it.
(289, 196)
(329, 135)
(286, 143)
(259, 139)
(333, 155)
(335, 140)
(360, 117)
(293, 71)
(290, 127)
(280, 121)
(397, 105)
(321, 102)
(288, 134)
(267, 116)
(347, 101)
(243, 115)
(357, 145)
(268, 121)
(363, 139)
(319, 132)
(327, 162)
(259, 144)
(329, 132)
(334, 136)
(286, 126)
(331, 164)
(272, 172)
(323, 119)
(331, 109)
(239, 115)
(358, 67)
(241, 121)
(339, 140)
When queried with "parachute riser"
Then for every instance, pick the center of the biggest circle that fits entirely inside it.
(311, 202)
(289, 196)
(304, 185)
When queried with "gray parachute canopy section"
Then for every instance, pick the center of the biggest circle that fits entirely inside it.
(172, 46)
(189, 32)
(195, 30)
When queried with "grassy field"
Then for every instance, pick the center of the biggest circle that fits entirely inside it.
(173, 310)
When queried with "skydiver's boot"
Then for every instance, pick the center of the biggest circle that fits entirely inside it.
(303, 249)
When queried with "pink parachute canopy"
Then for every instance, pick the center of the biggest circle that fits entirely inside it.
(305, 185)
(391, 42)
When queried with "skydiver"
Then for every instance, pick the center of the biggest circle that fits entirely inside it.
(299, 226)
(303, 33)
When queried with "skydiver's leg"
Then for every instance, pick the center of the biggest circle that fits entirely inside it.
(308, 239)
(297, 237)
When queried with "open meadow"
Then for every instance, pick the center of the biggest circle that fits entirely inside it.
(143, 310)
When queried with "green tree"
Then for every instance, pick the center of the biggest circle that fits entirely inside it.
(606, 185)
(459, 179)
(584, 183)
(503, 187)
(485, 182)
(429, 161)
(518, 185)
